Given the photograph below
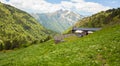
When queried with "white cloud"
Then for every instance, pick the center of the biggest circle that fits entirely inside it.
(90, 7)
(42, 6)
(78, 1)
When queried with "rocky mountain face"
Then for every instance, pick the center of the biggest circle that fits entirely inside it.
(58, 21)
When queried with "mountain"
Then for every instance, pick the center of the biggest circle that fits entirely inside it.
(101, 48)
(58, 21)
(18, 28)
(101, 19)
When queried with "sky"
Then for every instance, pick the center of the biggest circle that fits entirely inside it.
(83, 7)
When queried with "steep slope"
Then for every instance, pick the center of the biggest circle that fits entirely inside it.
(109, 17)
(99, 49)
(18, 28)
(58, 21)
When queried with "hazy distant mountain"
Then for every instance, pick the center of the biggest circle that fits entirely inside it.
(58, 21)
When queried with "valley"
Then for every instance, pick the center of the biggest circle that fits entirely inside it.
(74, 51)
(32, 39)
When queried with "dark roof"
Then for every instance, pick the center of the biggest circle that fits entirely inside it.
(87, 29)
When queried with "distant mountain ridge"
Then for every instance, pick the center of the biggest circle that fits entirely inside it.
(58, 21)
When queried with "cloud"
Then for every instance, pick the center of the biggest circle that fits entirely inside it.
(42, 6)
(78, 1)
(90, 7)
(81, 5)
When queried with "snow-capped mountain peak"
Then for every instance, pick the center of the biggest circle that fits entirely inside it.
(58, 21)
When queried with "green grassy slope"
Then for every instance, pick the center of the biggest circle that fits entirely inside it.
(101, 19)
(19, 28)
(98, 49)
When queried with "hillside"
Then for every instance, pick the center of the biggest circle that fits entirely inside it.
(109, 17)
(98, 49)
(58, 21)
(17, 28)
(99, 20)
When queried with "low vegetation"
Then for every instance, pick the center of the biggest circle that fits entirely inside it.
(98, 49)
(17, 28)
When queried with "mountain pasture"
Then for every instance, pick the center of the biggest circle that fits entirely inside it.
(98, 49)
